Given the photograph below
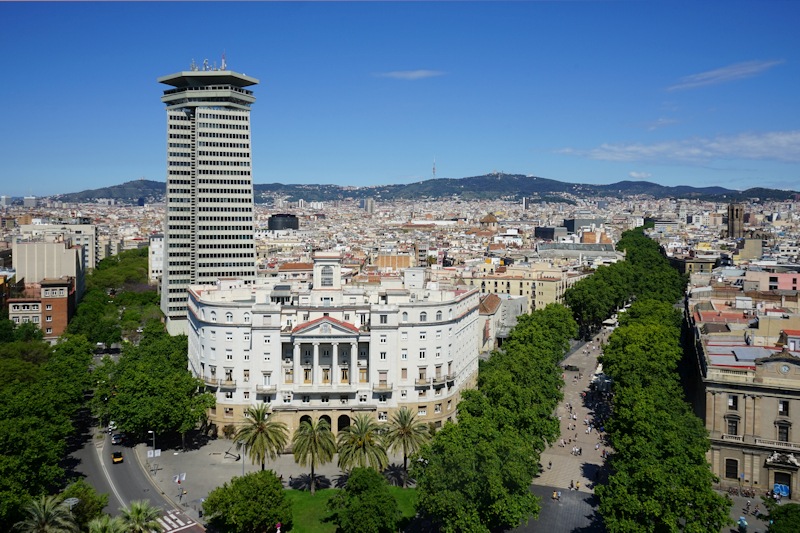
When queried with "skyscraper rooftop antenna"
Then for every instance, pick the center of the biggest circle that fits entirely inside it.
(224, 65)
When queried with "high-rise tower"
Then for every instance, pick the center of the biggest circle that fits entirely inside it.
(208, 227)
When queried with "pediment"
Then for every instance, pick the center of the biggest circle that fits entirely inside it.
(325, 327)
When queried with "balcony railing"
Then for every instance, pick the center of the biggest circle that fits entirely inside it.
(778, 444)
(266, 388)
(451, 377)
(381, 386)
(227, 383)
(734, 438)
(439, 380)
(422, 382)
(211, 381)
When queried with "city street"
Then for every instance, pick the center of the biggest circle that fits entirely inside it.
(127, 481)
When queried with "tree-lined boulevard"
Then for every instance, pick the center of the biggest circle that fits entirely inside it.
(471, 476)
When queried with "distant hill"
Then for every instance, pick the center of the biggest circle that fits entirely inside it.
(128, 192)
(486, 187)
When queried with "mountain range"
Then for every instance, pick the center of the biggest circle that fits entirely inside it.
(487, 187)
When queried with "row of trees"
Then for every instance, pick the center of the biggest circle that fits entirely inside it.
(644, 275)
(659, 477)
(40, 395)
(364, 443)
(51, 514)
(365, 502)
(117, 301)
(150, 388)
(475, 476)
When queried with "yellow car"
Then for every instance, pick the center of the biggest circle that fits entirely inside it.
(116, 457)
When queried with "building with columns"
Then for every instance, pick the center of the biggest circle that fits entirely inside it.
(319, 348)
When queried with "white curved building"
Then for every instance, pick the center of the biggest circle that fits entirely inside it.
(321, 349)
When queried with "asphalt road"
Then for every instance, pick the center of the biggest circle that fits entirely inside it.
(124, 482)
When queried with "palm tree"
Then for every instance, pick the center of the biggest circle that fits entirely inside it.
(48, 514)
(406, 433)
(313, 444)
(106, 524)
(141, 517)
(260, 437)
(360, 445)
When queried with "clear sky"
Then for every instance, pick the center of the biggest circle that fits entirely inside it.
(360, 93)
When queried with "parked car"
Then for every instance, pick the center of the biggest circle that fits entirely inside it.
(112, 426)
(116, 457)
(117, 438)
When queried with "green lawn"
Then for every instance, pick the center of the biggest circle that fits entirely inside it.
(309, 512)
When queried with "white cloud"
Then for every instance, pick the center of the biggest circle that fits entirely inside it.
(640, 175)
(737, 71)
(781, 146)
(660, 123)
(411, 74)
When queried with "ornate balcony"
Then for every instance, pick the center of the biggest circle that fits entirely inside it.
(734, 438)
(266, 388)
(422, 382)
(211, 381)
(439, 381)
(778, 444)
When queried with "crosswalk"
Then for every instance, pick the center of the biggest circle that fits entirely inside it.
(175, 520)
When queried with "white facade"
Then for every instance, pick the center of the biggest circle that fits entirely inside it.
(155, 259)
(208, 228)
(323, 349)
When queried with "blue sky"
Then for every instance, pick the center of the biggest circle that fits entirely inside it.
(361, 93)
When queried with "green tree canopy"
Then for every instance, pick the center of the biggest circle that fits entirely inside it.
(365, 505)
(261, 437)
(47, 515)
(254, 502)
(361, 445)
(406, 434)
(313, 444)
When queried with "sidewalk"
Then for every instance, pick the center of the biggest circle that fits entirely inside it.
(566, 467)
(214, 464)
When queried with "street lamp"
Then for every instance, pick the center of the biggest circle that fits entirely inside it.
(154, 441)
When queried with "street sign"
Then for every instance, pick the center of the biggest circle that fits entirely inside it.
(149, 454)
(157, 453)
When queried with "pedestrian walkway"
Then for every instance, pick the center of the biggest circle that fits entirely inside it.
(576, 458)
(173, 521)
(202, 470)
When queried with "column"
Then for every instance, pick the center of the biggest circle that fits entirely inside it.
(335, 377)
(315, 372)
(296, 363)
(711, 411)
(353, 361)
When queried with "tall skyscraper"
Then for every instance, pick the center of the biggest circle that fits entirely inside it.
(208, 227)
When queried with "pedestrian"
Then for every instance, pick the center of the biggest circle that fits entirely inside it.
(555, 495)
(571, 484)
(559, 495)
(578, 485)
(549, 465)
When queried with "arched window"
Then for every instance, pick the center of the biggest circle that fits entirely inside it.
(326, 276)
(438, 315)
(228, 317)
(247, 318)
(423, 317)
(405, 316)
(213, 316)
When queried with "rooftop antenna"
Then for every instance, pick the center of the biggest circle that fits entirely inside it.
(224, 65)
(193, 66)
